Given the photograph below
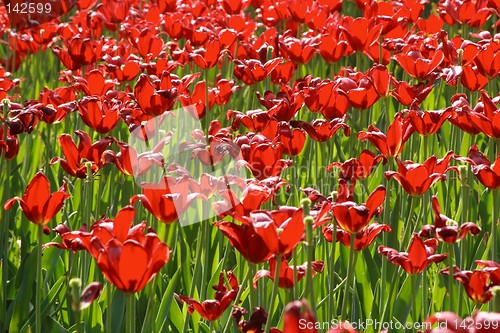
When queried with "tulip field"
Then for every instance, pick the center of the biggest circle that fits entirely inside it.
(319, 166)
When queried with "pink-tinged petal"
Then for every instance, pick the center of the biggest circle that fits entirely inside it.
(9, 203)
(260, 274)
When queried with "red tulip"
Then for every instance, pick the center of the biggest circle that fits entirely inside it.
(363, 238)
(331, 49)
(38, 204)
(416, 178)
(298, 318)
(262, 156)
(245, 239)
(417, 66)
(10, 147)
(477, 283)
(281, 230)
(361, 33)
(257, 319)
(488, 59)
(446, 229)
(420, 255)
(488, 173)
(214, 308)
(286, 279)
(390, 144)
(252, 71)
(411, 95)
(153, 102)
(284, 105)
(358, 169)
(321, 130)
(353, 217)
(252, 198)
(127, 258)
(166, 200)
(427, 122)
(99, 113)
(76, 158)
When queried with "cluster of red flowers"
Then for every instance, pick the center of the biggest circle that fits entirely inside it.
(128, 62)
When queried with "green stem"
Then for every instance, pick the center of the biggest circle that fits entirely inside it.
(414, 292)
(78, 320)
(108, 308)
(310, 257)
(350, 278)
(385, 238)
(38, 300)
(130, 305)
(450, 276)
(331, 273)
(273, 293)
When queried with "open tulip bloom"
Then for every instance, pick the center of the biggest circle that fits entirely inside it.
(420, 255)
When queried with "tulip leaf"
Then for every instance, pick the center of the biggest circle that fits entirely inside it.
(176, 317)
(47, 303)
(26, 275)
(117, 311)
(162, 315)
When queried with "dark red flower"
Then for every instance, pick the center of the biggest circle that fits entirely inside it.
(100, 114)
(411, 95)
(353, 217)
(420, 255)
(488, 173)
(322, 130)
(416, 178)
(331, 49)
(262, 156)
(252, 71)
(417, 66)
(361, 33)
(127, 257)
(298, 318)
(363, 239)
(214, 308)
(280, 229)
(153, 102)
(10, 147)
(245, 239)
(427, 122)
(166, 200)
(286, 279)
(390, 144)
(38, 204)
(76, 158)
(358, 168)
(477, 283)
(446, 229)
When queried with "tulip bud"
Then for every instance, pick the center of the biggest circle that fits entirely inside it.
(75, 285)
